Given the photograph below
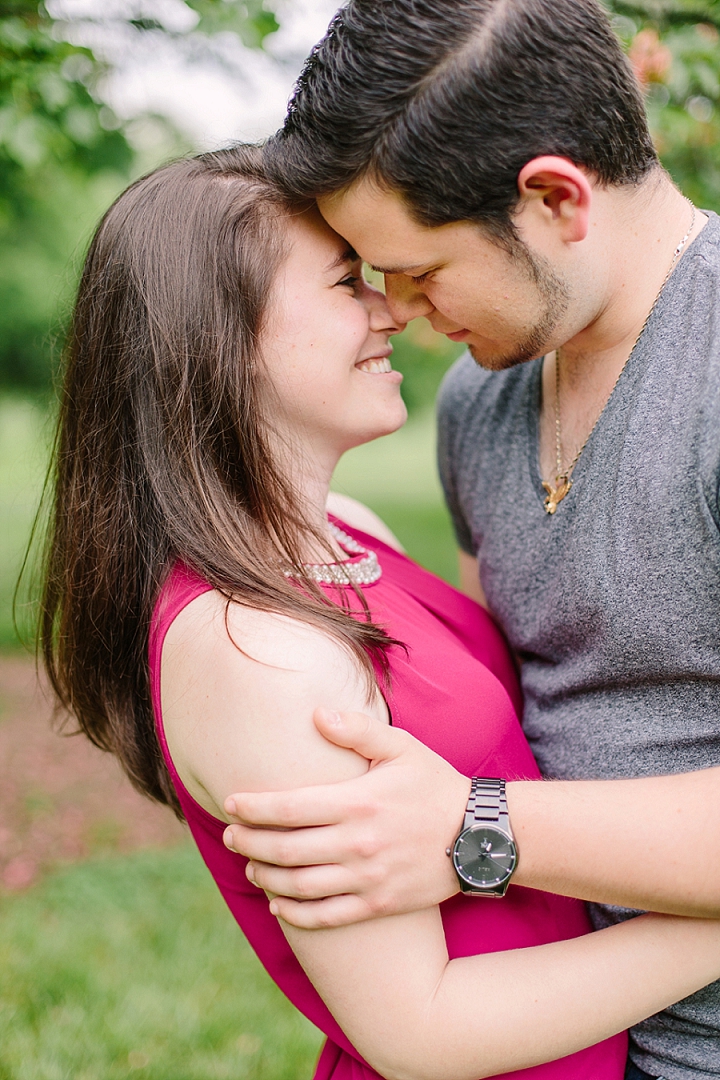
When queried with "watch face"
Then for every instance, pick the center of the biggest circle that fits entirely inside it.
(484, 856)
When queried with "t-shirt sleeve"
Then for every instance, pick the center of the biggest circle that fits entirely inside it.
(451, 406)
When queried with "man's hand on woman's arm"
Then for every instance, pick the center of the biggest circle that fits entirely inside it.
(357, 850)
(376, 845)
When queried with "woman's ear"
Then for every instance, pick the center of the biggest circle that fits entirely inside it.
(558, 193)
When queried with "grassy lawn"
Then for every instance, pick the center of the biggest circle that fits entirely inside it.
(133, 967)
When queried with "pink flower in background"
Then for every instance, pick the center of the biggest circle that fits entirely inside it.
(651, 60)
(19, 874)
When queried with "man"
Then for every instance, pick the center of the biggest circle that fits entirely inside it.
(492, 158)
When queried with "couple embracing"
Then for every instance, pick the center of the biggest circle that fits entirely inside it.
(432, 901)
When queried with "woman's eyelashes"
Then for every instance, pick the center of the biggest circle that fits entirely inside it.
(355, 277)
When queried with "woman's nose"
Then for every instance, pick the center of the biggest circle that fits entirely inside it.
(382, 317)
(405, 299)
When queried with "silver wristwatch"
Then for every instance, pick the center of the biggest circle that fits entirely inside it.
(484, 854)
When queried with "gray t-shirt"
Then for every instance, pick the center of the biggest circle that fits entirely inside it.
(613, 603)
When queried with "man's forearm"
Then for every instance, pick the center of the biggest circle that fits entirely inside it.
(652, 843)
(376, 845)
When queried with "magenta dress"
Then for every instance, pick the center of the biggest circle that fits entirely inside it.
(456, 689)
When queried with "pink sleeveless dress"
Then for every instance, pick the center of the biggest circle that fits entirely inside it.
(456, 689)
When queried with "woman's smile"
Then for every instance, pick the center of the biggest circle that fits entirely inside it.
(379, 365)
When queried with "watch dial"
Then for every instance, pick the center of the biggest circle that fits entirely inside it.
(484, 856)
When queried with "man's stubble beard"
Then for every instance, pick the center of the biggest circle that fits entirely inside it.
(555, 298)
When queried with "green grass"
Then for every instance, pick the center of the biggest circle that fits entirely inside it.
(133, 967)
(396, 476)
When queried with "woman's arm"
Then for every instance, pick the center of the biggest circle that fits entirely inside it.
(415, 1015)
(243, 719)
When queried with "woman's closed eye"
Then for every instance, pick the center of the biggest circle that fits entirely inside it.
(352, 281)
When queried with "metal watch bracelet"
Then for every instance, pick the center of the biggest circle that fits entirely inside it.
(487, 804)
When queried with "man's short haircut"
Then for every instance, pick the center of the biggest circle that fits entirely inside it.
(446, 100)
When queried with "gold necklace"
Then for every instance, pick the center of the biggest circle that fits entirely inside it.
(556, 492)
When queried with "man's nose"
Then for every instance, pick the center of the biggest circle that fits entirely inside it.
(405, 299)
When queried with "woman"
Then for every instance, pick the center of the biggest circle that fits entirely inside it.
(199, 602)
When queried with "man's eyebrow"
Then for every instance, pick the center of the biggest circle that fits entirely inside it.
(349, 255)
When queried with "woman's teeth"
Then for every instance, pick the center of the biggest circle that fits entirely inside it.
(376, 365)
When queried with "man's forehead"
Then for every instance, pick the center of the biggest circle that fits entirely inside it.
(379, 225)
(377, 220)
(366, 197)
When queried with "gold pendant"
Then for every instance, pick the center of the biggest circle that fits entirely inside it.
(555, 495)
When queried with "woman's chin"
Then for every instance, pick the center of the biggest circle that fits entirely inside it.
(386, 426)
(389, 424)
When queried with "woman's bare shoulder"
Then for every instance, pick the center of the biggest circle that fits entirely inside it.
(239, 688)
(359, 516)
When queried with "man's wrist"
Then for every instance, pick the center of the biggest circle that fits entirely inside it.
(484, 854)
(521, 797)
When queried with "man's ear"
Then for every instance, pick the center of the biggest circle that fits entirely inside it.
(559, 193)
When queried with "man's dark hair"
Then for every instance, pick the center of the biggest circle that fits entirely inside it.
(446, 100)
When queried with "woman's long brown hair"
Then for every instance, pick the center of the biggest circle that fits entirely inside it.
(161, 452)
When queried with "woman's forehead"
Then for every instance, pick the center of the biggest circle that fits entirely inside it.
(314, 241)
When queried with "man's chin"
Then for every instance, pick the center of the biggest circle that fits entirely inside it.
(555, 298)
(500, 362)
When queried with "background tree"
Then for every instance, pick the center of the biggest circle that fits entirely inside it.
(54, 135)
(63, 156)
(674, 46)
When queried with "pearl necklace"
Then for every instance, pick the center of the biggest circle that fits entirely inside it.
(364, 571)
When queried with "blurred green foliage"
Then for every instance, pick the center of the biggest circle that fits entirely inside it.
(25, 437)
(253, 20)
(63, 156)
(423, 357)
(55, 137)
(674, 46)
(47, 111)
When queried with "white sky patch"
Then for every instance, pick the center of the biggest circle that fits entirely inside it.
(214, 94)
